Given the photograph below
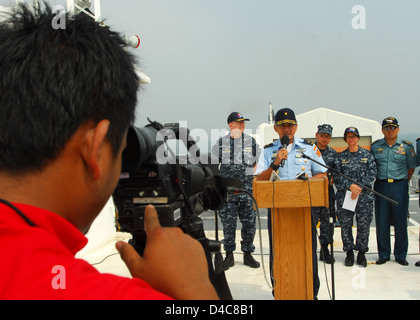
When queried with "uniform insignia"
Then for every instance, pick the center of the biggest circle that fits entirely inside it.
(408, 142)
(375, 141)
(306, 141)
(268, 145)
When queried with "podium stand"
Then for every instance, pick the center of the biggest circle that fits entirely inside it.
(292, 232)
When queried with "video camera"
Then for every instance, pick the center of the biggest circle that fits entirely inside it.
(178, 189)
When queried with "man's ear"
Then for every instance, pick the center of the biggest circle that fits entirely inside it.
(93, 147)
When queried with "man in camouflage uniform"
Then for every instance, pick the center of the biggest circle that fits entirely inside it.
(322, 214)
(358, 164)
(238, 154)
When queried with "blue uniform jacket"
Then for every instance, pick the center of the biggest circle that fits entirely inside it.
(294, 164)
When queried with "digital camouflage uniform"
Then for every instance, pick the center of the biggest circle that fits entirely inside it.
(237, 158)
(322, 214)
(361, 167)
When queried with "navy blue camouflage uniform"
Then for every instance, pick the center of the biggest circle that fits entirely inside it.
(322, 214)
(361, 167)
(237, 158)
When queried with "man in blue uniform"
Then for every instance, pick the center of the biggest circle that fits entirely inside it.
(274, 153)
(237, 153)
(271, 158)
(396, 161)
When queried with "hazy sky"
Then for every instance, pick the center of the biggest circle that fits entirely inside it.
(207, 58)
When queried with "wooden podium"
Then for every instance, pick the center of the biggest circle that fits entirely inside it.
(292, 232)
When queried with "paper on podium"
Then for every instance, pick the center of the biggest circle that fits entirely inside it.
(349, 203)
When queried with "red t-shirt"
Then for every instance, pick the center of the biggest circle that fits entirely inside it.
(38, 262)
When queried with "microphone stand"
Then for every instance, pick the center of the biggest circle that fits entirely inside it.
(331, 170)
(352, 180)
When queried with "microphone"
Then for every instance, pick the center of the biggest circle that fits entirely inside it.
(284, 142)
(301, 176)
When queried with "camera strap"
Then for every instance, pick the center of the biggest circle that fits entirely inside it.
(24, 217)
(217, 279)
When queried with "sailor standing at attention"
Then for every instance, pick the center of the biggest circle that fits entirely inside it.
(237, 153)
(396, 161)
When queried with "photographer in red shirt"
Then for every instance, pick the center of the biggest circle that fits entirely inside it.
(67, 97)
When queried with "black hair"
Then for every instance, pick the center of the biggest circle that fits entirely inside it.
(54, 80)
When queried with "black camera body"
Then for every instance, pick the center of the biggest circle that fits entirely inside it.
(179, 190)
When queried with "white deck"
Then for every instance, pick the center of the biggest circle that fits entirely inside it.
(375, 282)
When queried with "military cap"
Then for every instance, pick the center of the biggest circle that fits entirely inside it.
(351, 129)
(325, 128)
(390, 121)
(284, 116)
(236, 116)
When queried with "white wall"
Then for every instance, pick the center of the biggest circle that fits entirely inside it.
(102, 230)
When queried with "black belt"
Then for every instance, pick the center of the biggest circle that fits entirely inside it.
(391, 180)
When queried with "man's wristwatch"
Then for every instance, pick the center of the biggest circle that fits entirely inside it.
(273, 166)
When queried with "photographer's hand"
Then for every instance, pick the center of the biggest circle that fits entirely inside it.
(173, 262)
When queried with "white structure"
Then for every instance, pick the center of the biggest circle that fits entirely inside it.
(370, 130)
(4, 11)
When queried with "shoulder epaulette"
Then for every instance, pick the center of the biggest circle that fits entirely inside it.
(408, 142)
(268, 145)
(306, 141)
(375, 141)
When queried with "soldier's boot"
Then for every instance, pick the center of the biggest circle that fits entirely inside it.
(349, 261)
(324, 254)
(229, 261)
(361, 259)
(250, 261)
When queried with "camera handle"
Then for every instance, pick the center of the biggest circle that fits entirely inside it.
(194, 227)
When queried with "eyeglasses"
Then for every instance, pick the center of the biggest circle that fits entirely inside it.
(390, 128)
